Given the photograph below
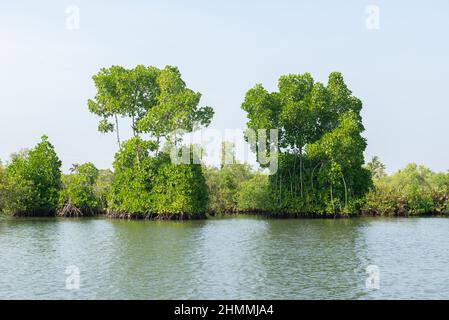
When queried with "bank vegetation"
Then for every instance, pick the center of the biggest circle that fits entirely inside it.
(321, 171)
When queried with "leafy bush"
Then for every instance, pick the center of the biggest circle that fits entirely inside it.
(254, 194)
(152, 186)
(33, 180)
(102, 187)
(224, 184)
(78, 191)
(415, 190)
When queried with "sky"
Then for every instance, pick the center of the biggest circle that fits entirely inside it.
(394, 59)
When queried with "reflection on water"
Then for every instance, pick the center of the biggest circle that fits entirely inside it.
(233, 258)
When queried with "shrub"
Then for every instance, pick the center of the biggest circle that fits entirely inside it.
(34, 181)
(78, 196)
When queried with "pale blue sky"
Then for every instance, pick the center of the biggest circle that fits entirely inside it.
(222, 49)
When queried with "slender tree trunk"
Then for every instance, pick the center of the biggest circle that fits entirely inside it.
(312, 174)
(135, 135)
(332, 201)
(278, 183)
(300, 172)
(294, 174)
(291, 181)
(280, 189)
(117, 131)
(346, 190)
(157, 148)
(134, 126)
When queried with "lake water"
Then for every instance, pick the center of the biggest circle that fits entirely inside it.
(232, 258)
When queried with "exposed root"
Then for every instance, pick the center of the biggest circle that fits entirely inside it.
(154, 216)
(293, 215)
(69, 210)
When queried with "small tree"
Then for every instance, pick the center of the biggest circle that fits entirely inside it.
(153, 186)
(224, 185)
(102, 186)
(3, 187)
(78, 196)
(376, 168)
(254, 194)
(34, 178)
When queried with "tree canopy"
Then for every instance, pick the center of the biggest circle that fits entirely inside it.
(157, 101)
(34, 180)
(320, 144)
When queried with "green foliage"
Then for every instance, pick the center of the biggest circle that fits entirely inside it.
(320, 151)
(78, 189)
(174, 108)
(179, 189)
(415, 190)
(160, 105)
(224, 184)
(376, 168)
(33, 181)
(254, 194)
(123, 92)
(2, 186)
(146, 185)
(131, 187)
(102, 187)
(157, 101)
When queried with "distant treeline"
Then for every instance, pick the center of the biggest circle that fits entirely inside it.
(320, 169)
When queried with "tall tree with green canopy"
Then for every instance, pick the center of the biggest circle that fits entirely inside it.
(311, 117)
(123, 92)
(156, 100)
(162, 107)
(340, 153)
(175, 109)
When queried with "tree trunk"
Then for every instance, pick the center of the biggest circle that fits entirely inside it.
(300, 171)
(157, 148)
(117, 131)
(332, 201)
(346, 190)
(311, 177)
(134, 126)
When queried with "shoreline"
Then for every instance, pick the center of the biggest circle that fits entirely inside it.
(206, 216)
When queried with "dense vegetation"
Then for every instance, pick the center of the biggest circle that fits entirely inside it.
(321, 170)
(78, 196)
(415, 190)
(151, 186)
(320, 149)
(31, 183)
(146, 184)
